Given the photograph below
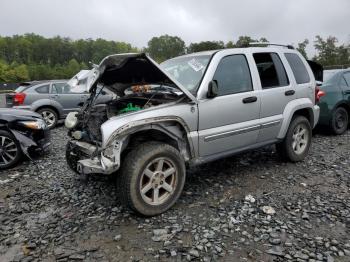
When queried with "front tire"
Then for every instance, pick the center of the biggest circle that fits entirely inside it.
(10, 150)
(152, 178)
(297, 141)
(340, 121)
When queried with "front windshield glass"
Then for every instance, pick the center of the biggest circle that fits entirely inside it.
(187, 70)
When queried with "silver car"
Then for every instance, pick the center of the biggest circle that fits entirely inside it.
(52, 99)
(187, 111)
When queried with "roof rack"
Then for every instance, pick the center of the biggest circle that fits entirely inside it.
(270, 44)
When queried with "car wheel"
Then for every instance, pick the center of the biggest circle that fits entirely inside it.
(151, 178)
(10, 150)
(50, 116)
(340, 121)
(297, 141)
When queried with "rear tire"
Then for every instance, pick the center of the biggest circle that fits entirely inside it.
(339, 121)
(297, 141)
(10, 150)
(50, 116)
(152, 178)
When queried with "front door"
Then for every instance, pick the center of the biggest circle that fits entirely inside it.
(229, 121)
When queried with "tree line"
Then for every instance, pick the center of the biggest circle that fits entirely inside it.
(34, 57)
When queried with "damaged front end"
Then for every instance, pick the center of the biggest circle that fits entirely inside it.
(139, 85)
(28, 128)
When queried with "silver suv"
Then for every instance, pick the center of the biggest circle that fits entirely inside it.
(187, 111)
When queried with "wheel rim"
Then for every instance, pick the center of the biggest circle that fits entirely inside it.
(49, 118)
(340, 120)
(300, 139)
(8, 150)
(158, 181)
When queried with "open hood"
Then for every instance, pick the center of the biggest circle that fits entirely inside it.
(317, 69)
(121, 71)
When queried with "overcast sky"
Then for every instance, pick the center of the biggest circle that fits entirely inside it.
(137, 21)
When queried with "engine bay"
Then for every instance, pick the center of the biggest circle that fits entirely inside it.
(137, 98)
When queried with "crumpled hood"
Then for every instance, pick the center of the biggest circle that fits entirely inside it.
(120, 71)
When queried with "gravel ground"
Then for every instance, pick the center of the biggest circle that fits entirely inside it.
(250, 207)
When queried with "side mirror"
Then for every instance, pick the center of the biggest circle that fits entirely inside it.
(212, 89)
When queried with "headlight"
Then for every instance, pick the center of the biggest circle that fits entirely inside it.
(38, 124)
(71, 120)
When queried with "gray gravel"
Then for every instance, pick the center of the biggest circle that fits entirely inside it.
(250, 207)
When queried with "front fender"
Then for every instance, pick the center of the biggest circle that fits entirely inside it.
(292, 107)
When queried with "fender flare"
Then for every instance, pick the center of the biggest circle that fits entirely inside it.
(152, 123)
(289, 111)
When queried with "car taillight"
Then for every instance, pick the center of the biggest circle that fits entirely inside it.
(318, 94)
(18, 98)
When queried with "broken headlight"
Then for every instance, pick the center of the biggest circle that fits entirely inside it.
(71, 120)
(37, 124)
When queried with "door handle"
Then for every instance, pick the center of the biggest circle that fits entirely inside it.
(250, 99)
(346, 92)
(289, 93)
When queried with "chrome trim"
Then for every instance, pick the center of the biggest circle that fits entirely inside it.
(241, 131)
(270, 124)
(231, 133)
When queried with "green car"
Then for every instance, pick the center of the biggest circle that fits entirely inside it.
(335, 104)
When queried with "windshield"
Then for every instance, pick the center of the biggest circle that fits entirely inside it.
(187, 70)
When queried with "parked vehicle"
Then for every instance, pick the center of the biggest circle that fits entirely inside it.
(22, 132)
(197, 108)
(52, 99)
(335, 105)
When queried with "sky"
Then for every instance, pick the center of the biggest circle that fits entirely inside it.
(137, 21)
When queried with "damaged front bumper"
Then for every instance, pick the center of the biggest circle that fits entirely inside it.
(38, 142)
(90, 159)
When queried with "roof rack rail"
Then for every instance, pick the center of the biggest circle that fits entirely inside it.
(270, 44)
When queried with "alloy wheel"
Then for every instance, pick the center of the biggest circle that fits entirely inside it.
(158, 181)
(49, 118)
(300, 139)
(8, 150)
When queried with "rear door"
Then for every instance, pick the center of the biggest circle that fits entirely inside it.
(69, 101)
(276, 93)
(229, 121)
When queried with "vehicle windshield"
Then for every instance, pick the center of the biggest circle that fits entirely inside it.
(188, 70)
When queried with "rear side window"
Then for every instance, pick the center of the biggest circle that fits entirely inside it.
(233, 75)
(271, 70)
(43, 89)
(299, 70)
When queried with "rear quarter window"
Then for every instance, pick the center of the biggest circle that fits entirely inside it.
(298, 67)
(43, 89)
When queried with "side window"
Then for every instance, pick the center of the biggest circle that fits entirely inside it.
(233, 75)
(43, 89)
(60, 88)
(347, 78)
(271, 70)
(299, 70)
